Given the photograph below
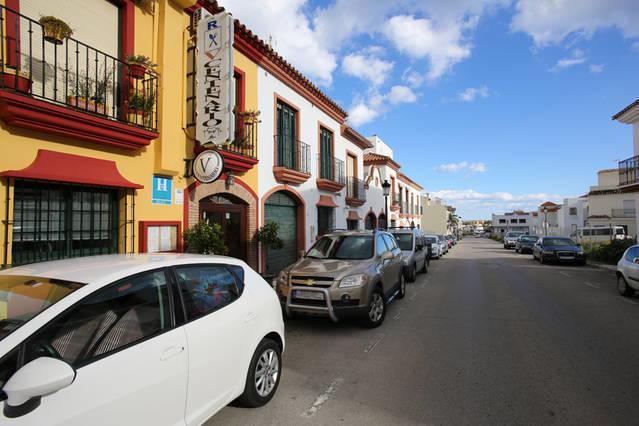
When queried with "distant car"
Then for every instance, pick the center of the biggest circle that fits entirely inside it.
(414, 252)
(558, 250)
(449, 241)
(443, 242)
(510, 239)
(345, 274)
(436, 246)
(136, 339)
(525, 243)
(628, 272)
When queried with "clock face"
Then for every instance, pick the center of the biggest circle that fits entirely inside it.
(208, 166)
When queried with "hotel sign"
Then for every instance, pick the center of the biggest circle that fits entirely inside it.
(215, 87)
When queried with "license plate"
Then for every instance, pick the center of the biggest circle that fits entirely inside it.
(566, 257)
(310, 295)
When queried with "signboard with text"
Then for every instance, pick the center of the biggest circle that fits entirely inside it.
(215, 85)
(162, 190)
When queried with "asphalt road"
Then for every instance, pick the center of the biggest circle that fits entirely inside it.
(486, 337)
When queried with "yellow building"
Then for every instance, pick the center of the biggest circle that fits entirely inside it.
(94, 150)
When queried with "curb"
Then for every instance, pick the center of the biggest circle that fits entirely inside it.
(611, 268)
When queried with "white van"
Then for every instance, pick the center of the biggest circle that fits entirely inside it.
(601, 233)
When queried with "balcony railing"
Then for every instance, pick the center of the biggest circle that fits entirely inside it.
(619, 213)
(628, 171)
(355, 189)
(73, 74)
(331, 168)
(245, 142)
(293, 156)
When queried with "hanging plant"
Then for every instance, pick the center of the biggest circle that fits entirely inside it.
(55, 30)
(139, 65)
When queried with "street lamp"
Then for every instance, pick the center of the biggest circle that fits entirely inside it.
(386, 187)
(545, 210)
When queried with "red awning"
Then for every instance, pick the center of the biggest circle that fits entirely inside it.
(352, 215)
(326, 201)
(60, 167)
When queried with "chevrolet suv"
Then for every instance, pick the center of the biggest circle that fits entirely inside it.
(345, 274)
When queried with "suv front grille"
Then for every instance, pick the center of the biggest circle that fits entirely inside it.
(303, 280)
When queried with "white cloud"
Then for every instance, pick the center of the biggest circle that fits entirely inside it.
(367, 67)
(596, 68)
(401, 95)
(471, 93)
(361, 113)
(461, 166)
(412, 78)
(421, 38)
(552, 21)
(577, 57)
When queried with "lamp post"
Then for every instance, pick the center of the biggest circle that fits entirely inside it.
(386, 190)
(545, 210)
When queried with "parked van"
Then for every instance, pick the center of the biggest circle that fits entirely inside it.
(601, 233)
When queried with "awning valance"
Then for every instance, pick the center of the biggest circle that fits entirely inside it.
(326, 201)
(70, 168)
(352, 215)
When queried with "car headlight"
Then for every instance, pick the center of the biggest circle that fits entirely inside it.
(353, 281)
(282, 278)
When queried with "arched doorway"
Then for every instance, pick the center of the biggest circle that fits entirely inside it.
(230, 212)
(370, 222)
(382, 221)
(281, 208)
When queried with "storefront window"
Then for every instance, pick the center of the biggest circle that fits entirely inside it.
(53, 221)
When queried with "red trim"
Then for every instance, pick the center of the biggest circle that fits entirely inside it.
(29, 113)
(12, 33)
(237, 162)
(61, 167)
(240, 89)
(326, 201)
(144, 234)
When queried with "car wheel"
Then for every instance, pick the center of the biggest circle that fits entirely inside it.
(264, 375)
(376, 309)
(412, 275)
(623, 288)
(426, 265)
(541, 259)
(401, 286)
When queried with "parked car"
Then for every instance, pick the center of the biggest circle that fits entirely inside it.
(345, 273)
(106, 338)
(558, 249)
(449, 241)
(628, 272)
(525, 243)
(510, 239)
(444, 244)
(414, 251)
(436, 246)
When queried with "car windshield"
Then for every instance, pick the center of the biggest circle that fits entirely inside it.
(347, 247)
(558, 242)
(529, 239)
(24, 297)
(513, 235)
(405, 241)
(431, 239)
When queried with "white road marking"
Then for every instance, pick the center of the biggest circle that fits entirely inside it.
(323, 397)
(591, 285)
(630, 301)
(399, 314)
(371, 345)
(565, 274)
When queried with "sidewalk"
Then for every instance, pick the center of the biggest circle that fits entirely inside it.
(612, 268)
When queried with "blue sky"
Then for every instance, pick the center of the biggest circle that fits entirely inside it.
(491, 104)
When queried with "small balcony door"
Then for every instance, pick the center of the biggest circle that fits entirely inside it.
(326, 154)
(286, 136)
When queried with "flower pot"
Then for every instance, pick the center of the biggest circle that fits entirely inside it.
(139, 118)
(52, 35)
(137, 71)
(23, 84)
(77, 102)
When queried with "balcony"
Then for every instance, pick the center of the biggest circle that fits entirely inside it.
(396, 203)
(241, 155)
(331, 174)
(292, 162)
(628, 171)
(355, 192)
(624, 213)
(71, 89)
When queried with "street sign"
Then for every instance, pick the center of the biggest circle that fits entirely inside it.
(208, 166)
(215, 95)
(162, 190)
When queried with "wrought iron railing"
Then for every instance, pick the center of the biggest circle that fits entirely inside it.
(331, 168)
(355, 189)
(295, 155)
(628, 171)
(630, 213)
(245, 142)
(73, 74)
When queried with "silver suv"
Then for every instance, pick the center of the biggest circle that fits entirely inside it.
(346, 273)
(414, 251)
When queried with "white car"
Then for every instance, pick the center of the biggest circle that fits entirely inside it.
(436, 246)
(628, 272)
(443, 243)
(136, 339)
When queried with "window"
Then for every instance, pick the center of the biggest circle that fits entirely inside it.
(405, 241)
(324, 220)
(53, 221)
(348, 247)
(513, 220)
(352, 224)
(326, 154)
(206, 288)
(522, 220)
(390, 242)
(380, 246)
(502, 220)
(158, 237)
(286, 136)
(631, 255)
(126, 312)
(572, 211)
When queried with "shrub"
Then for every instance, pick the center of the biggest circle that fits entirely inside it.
(607, 253)
(267, 235)
(205, 239)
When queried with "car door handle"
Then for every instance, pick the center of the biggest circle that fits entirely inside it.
(250, 317)
(171, 352)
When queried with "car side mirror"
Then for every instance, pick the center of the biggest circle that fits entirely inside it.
(387, 255)
(40, 377)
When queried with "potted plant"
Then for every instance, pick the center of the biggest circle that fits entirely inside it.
(79, 92)
(243, 121)
(99, 90)
(205, 239)
(267, 235)
(55, 30)
(140, 108)
(138, 65)
(17, 81)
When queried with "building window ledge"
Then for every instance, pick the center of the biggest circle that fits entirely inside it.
(26, 112)
(329, 185)
(355, 202)
(285, 175)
